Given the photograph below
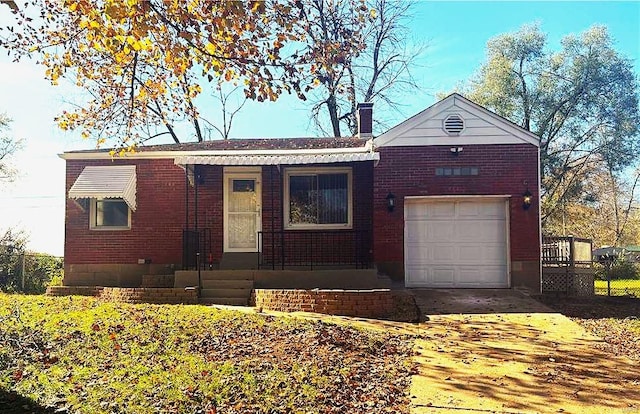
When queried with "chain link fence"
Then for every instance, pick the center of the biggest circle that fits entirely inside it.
(26, 272)
(617, 277)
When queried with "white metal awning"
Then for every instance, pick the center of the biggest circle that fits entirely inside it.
(113, 181)
(279, 159)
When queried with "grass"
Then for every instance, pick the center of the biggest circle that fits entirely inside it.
(76, 354)
(618, 286)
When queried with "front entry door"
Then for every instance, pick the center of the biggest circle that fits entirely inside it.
(242, 211)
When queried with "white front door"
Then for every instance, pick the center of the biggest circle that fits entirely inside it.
(242, 211)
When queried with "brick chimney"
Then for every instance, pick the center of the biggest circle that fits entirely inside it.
(365, 120)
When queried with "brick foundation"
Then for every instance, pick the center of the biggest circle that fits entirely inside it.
(129, 295)
(373, 303)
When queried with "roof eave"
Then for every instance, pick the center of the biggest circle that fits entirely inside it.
(368, 147)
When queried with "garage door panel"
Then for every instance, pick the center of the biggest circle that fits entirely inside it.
(484, 210)
(414, 276)
(476, 232)
(442, 276)
(493, 210)
(487, 276)
(467, 209)
(438, 211)
(432, 231)
(458, 243)
(432, 276)
(438, 231)
(435, 253)
(471, 253)
(442, 210)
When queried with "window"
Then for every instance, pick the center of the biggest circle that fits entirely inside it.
(319, 198)
(110, 214)
(454, 171)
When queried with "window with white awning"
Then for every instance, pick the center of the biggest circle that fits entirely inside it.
(104, 182)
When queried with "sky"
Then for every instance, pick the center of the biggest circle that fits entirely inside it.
(455, 34)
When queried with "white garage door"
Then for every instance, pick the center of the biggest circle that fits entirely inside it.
(456, 244)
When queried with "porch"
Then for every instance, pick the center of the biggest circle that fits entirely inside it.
(283, 250)
(285, 260)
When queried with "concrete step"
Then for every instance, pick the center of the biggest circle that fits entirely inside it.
(239, 261)
(225, 293)
(224, 301)
(226, 275)
(227, 284)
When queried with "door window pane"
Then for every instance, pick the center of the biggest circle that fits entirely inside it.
(244, 186)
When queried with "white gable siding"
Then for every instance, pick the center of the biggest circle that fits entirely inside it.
(481, 127)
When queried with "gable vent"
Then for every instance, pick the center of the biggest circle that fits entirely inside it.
(453, 124)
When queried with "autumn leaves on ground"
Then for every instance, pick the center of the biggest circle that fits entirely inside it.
(79, 355)
(76, 354)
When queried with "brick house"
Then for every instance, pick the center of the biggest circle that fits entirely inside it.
(437, 201)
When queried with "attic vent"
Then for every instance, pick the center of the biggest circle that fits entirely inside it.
(453, 124)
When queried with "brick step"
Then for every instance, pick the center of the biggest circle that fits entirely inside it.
(225, 293)
(224, 301)
(227, 284)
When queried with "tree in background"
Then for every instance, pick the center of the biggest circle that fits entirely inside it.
(357, 58)
(607, 212)
(582, 101)
(8, 147)
(145, 63)
(12, 247)
(18, 266)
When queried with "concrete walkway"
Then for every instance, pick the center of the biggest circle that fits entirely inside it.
(499, 351)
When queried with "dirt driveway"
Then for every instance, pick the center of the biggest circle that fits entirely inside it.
(499, 351)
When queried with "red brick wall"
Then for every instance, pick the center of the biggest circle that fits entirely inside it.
(157, 223)
(410, 171)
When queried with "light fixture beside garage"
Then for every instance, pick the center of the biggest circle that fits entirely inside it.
(527, 199)
(391, 202)
(456, 151)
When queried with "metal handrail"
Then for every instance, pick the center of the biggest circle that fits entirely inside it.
(314, 248)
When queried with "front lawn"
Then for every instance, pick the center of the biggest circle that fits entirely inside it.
(629, 287)
(76, 354)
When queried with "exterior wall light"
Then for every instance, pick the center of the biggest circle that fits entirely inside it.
(391, 202)
(527, 199)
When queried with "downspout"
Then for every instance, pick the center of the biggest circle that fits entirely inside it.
(196, 179)
(282, 183)
(539, 222)
(273, 220)
(185, 232)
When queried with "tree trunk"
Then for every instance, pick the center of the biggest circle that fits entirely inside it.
(333, 114)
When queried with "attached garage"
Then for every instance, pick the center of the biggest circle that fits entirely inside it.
(456, 242)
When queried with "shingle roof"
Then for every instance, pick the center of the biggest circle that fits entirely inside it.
(253, 144)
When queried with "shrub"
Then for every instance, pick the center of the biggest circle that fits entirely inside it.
(621, 268)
